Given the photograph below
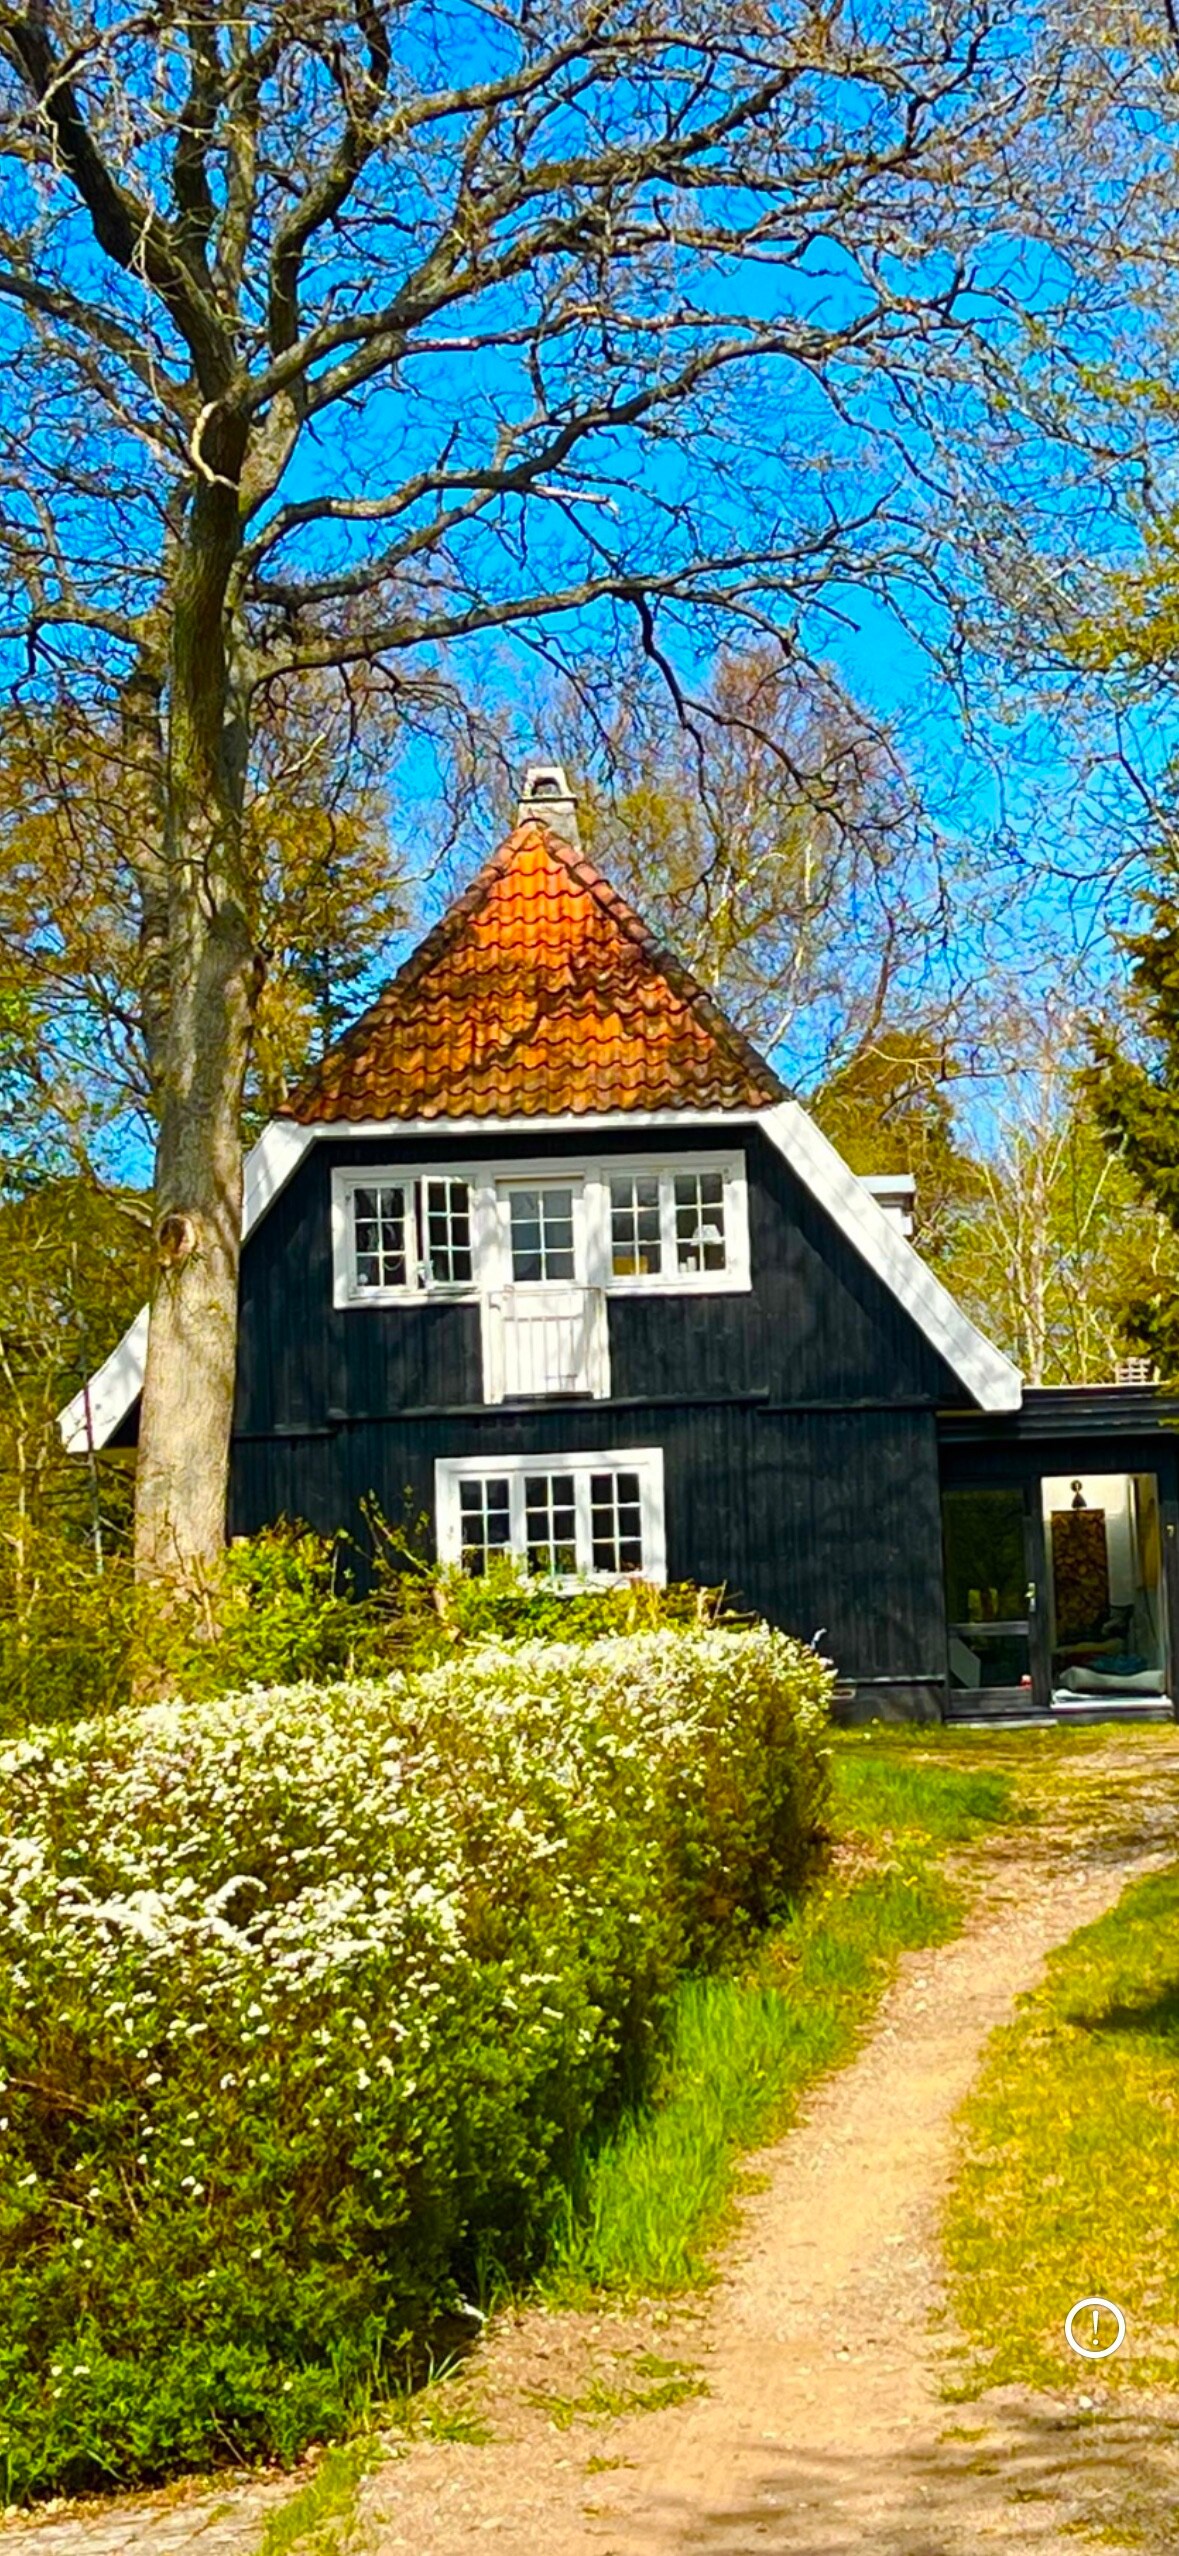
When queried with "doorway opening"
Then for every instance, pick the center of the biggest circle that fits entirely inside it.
(1107, 1621)
(988, 1596)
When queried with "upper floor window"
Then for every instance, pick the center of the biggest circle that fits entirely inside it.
(447, 1216)
(699, 1220)
(489, 1229)
(678, 1226)
(380, 1236)
(636, 1228)
(542, 1235)
(400, 1236)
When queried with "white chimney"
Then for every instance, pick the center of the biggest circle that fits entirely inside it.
(547, 796)
(896, 1193)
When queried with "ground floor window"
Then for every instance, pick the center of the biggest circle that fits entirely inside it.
(590, 1516)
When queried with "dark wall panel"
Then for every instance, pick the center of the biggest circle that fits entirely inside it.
(823, 1522)
(817, 1325)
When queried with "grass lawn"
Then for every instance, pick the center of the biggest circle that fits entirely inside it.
(743, 2050)
(1069, 2184)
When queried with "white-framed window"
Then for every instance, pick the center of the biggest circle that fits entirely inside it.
(541, 1232)
(382, 1237)
(401, 1235)
(679, 1225)
(446, 1230)
(636, 1226)
(485, 1520)
(594, 1515)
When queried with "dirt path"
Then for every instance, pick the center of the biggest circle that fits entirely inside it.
(823, 2430)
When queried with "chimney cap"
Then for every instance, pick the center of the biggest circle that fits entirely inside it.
(547, 795)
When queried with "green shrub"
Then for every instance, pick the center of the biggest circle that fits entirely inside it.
(308, 1998)
(67, 1632)
(288, 1605)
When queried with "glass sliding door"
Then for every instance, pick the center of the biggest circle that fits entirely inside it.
(1107, 1613)
(990, 1596)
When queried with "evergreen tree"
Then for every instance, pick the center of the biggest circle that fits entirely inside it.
(1133, 1086)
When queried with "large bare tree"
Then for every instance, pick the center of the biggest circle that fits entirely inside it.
(337, 332)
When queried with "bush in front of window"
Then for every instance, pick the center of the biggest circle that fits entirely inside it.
(308, 1996)
(289, 1605)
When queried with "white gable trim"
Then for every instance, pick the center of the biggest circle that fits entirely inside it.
(989, 1377)
(95, 1413)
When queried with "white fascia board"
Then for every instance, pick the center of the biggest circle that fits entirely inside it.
(566, 1122)
(95, 1413)
(269, 1165)
(988, 1376)
(93, 1416)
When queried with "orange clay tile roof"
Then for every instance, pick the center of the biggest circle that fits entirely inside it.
(540, 992)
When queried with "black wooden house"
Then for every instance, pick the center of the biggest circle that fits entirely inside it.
(544, 1243)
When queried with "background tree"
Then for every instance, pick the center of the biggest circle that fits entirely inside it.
(1054, 1245)
(320, 355)
(1133, 1088)
(890, 1108)
(772, 834)
(331, 892)
(72, 1258)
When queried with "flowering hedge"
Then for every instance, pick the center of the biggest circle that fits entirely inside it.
(307, 1996)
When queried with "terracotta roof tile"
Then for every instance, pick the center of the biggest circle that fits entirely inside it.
(539, 992)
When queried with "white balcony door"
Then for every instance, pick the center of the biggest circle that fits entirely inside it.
(545, 1327)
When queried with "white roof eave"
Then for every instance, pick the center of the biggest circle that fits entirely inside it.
(98, 1411)
(989, 1378)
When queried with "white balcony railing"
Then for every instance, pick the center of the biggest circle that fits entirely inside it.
(540, 1340)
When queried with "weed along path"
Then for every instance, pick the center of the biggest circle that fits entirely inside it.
(799, 2406)
(824, 2428)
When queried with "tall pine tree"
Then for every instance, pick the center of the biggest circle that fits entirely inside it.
(1134, 1090)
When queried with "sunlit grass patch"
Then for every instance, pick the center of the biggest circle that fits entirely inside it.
(744, 2049)
(1069, 2178)
(320, 2519)
(647, 2384)
(927, 1792)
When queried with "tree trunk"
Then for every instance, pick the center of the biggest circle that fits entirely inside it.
(198, 1070)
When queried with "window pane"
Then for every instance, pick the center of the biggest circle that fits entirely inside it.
(485, 1522)
(634, 1223)
(448, 1232)
(616, 1522)
(550, 1522)
(379, 1236)
(542, 1235)
(700, 1220)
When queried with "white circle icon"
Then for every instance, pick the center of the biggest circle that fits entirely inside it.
(1094, 2312)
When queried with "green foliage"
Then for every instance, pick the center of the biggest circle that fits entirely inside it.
(648, 2201)
(1133, 1085)
(310, 2524)
(1069, 2176)
(287, 1605)
(888, 1109)
(308, 1999)
(71, 1272)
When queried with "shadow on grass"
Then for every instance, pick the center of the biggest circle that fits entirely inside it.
(1157, 2016)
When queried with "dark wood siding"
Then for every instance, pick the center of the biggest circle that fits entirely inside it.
(797, 1420)
(821, 1521)
(817, 1325)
